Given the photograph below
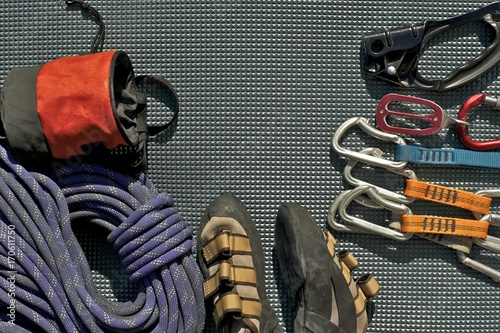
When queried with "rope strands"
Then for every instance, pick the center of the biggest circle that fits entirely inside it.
(45, 279)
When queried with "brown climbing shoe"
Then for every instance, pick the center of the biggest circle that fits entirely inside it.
(231, 259)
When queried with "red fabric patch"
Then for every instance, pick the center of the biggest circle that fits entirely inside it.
(74, 104)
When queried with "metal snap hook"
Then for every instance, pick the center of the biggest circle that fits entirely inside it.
(491, 243)
(364, 125)
(334, 208)
(480, 267)
(493, 219)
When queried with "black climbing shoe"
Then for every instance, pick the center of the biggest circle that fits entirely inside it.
(328, 300)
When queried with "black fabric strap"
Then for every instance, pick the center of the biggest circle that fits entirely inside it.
(172, 101)
(145, 130)
(98, 41)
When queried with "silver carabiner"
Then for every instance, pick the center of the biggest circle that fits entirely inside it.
(491, 243)
(334, 209)
(364, 125)
(490, 193)
(480, 267)
(366, 226)
(396, 197)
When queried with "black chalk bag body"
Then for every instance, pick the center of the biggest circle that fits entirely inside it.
(81, 108)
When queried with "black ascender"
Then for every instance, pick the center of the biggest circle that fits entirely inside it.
(393, 55)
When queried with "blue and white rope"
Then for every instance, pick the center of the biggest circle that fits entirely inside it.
(45, 279)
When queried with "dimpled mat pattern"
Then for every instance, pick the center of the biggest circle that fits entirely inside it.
(263, 85)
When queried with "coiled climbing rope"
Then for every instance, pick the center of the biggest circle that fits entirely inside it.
(45, 279)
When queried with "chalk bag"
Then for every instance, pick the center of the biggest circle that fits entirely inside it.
(85, 107)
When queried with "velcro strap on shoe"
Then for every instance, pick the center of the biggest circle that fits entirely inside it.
(226, 242)
(229, 275)
(360, 301)
(348, 258)
(368, 285)
(346, 272)
(231, 303)
(444, 225)
(448, 196)
(331, 242)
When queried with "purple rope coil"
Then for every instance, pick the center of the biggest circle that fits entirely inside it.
(45, 279)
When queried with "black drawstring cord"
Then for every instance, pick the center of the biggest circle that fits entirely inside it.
(98, 41)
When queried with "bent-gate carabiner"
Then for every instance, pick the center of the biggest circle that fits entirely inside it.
(478, 266)
(334, 209)
(494, 219)
(371, 227)
(367, 128)
(388, 194)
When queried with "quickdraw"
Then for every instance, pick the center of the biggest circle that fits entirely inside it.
(415, 189)
(457, 233)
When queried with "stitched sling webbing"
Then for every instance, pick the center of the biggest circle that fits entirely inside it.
(54, 291)
(444, 225)
(448, 196)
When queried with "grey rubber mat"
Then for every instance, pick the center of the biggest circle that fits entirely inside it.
(263, 85)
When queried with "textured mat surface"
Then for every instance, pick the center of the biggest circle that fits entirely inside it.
(263, 85)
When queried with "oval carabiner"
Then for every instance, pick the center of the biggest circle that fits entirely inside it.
(471, 102)
(367, 128)
(490, 243)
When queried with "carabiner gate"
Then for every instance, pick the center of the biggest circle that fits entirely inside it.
(360, 225)
(361, 157)
(388, 194)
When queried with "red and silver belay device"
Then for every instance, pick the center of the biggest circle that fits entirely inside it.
(85, 107)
